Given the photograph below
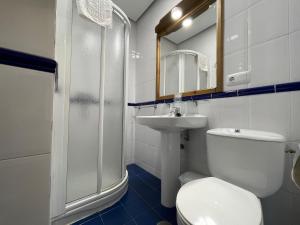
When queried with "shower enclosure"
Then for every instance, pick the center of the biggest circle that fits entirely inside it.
(91, 175)
(183, 70)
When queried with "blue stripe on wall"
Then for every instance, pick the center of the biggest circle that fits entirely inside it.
(25, 60)
(269, 89)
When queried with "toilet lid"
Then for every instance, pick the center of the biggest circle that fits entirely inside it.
(212, 201)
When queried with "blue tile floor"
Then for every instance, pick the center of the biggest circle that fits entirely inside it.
(140, 205)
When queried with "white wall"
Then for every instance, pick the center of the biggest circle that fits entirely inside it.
(28, 26)
(205, 43)
(147, 142)
(26, 114)
(146, 45)
(260, 35)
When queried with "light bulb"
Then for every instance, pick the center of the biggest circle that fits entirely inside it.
(176, 13)
(187, 22)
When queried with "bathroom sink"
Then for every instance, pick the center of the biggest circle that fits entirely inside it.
(173, 123)
(170, 127)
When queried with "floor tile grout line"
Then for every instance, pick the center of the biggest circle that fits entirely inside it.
(101, 219)
(119, 206)
(131, 217)
(145, 181)
(152, 208)
(113, 207)
(147, 184)
(135, 221)
(90, 219)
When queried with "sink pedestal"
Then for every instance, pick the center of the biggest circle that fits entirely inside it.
(170, 127)
(170, 167)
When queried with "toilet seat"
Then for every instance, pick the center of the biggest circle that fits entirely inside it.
(212, 201)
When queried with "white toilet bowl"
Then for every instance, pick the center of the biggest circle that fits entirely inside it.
(212, 201)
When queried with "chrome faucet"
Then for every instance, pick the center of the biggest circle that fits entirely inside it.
(175, 111)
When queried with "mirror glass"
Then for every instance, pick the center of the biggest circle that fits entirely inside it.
(188, 55)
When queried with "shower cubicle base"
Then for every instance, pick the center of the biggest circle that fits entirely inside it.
(90, 205)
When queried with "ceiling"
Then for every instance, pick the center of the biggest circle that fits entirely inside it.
(202, 22)
(133, 8)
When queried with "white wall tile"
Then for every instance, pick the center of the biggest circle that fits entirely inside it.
(189, 108)
(295, 120)
(26, 112)
(145, 91)
(215, 114)
(252, 2)
(28, 26)
(203, 107)
(234, 63)
(196, 151)
(294, 15)
(295, 56)
(271, 113)
(153, 137)
(25, 190)
(162, 109)
(140, 132)
(233, 7)
(230, 113)
(236, 31)
(269, 62)
(267, 20)
(155, 161)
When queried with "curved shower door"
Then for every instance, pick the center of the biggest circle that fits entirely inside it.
(113, 115)
(96, 107)
(84, 109)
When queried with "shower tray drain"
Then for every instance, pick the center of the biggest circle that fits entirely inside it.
(163, 223)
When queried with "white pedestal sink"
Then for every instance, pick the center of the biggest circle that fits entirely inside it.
(170, 126)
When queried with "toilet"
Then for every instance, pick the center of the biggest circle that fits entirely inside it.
(189, 176)
(247, 165)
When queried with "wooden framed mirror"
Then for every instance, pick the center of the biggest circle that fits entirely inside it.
(189, 53)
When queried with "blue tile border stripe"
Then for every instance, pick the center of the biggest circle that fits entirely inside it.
(295, 86)
(257, 90)
(268, 89)
(25, 60)
(224, 94)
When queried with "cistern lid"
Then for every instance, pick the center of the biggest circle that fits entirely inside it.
(212, 201)
(247, 134)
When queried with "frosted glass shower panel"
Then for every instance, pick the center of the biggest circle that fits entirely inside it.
(191, 72)
(113, 104)
(171, 74)
(83, 138)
